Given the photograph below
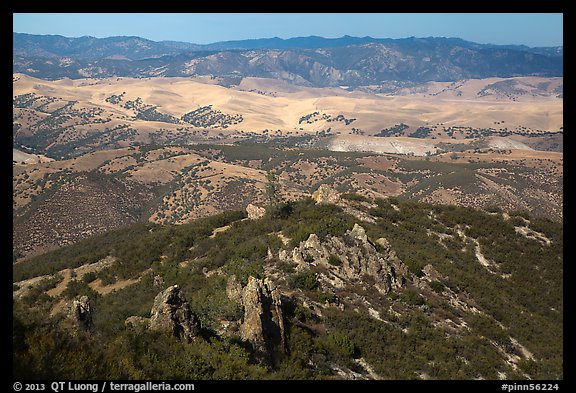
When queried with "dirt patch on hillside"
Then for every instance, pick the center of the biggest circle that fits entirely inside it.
(378, 163)
(106, 289)
(78, 274)
(67, 276)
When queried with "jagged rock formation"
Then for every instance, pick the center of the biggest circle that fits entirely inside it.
(158, 281)
(350, 257)
(81, 313)
(326, 194)
(171, 313)
(255, 212)
(263, 323)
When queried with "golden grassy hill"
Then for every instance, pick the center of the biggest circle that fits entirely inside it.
(267, 104)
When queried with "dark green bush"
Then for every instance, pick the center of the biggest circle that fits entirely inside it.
(342, 344)
(324, 297)
(437, 286)
(351, 196)
(412, 298)
(77, 288)
(89, 277)
(334, 260)
(306, 280)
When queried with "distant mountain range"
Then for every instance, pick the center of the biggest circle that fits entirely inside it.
(308, 61)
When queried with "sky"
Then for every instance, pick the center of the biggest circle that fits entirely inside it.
(531, 29)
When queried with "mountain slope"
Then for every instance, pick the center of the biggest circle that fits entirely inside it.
(91, 48)
(173, 149)
(345, 61)
(416, 291)
(81, 47)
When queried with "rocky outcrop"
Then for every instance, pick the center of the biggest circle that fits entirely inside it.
(171, 314)
(255, 212)
(263, 324)
(350, 257)
(158, 281)
(326, 194)
(430, 273)
(229, 329)
(81, 313)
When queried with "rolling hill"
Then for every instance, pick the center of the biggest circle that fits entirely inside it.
(70, 117)
(170, 150)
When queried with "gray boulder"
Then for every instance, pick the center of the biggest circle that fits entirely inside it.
(255, 212)
(171, 314)
(326, 194)
(263, 324)
(81, 313)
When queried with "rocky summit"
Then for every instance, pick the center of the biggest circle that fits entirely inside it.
(417, 291)
(255, 212)
(351, 257)
(326, 194)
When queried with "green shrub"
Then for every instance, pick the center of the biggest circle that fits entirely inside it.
(107, 276)
(302, 313)
(437, 286)
(520, 213)
(35, 297)
(89, 277)
(342, 345)
(493, 209)
(516, 221)
(281, 210)
(285, 267)
(306, 280)
(412, 298)
(77, 288)
(351, 196)
(334, 260)
(324, 297)
(49, 283)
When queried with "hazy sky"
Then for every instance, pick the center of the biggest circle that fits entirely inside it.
(528, 28)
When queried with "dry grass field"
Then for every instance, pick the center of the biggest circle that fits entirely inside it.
(94, 154)
(272, 105)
